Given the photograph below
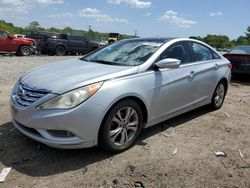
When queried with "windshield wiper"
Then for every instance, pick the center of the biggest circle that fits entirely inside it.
(84, 59)
(104, 62)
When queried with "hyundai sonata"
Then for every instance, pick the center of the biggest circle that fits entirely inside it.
(106, 97)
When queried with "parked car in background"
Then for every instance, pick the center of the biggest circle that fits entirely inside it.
(63, 44)
(20, 46)
(41, 38)
(240, 59)
(222, 50)
(109, 95)
(102, 44)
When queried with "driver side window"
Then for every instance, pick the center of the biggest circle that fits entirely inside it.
(177, 51)
(3, 34)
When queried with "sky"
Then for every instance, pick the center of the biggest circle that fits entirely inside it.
(147, 18)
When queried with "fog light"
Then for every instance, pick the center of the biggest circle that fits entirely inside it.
(60, 133)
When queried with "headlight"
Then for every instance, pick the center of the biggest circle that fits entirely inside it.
(71, 98)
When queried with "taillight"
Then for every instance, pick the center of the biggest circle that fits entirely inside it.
(230, 66)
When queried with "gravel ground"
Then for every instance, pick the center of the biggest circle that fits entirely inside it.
(11, 67)
(175, 153)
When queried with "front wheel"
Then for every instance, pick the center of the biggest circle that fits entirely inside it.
(60, 51)
(218, 96)
(121, 126)
(25, 51)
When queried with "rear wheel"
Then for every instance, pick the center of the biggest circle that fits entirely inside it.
(25, 51)
(60, 50)
(121, 126)
(218, 96)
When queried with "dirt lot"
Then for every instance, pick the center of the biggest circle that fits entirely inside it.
(150, 163)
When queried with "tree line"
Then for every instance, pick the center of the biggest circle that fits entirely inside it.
(223, 41)
(35, 26)
(217, 41)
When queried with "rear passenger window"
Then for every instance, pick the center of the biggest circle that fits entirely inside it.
(216, 56)
(201, 53)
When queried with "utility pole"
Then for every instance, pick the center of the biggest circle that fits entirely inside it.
(135, 33)
(89, 32)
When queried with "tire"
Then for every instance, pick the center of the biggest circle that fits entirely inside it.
(117, 132)
(60, 50)
(25, 51)
(218, 96)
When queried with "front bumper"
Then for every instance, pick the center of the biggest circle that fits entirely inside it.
(34, 49)
(45, 138)
(82, 122)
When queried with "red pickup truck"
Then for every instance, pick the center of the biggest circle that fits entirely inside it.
(20, 46)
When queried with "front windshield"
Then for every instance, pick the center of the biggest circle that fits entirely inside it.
(240, 50)
(125, 53)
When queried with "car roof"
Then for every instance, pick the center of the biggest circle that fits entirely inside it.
(156, 39)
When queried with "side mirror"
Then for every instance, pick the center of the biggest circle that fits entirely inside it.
(168, 63)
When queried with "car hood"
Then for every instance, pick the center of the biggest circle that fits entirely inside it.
(70, 74)
(24, 39)
(93, 43)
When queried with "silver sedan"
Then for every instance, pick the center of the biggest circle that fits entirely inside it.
(106, 97)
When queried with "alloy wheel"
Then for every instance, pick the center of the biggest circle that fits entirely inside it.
(124, 126)
(25, 51)
(219, 95)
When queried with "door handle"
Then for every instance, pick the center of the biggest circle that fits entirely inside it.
(216, 66)
(191, 74)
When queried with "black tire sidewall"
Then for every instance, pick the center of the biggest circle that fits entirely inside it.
(104, 138)
(60, 49)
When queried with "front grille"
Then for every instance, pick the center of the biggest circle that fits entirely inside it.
(25, 96)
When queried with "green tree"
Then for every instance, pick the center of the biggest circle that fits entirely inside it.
(196, 37)
(53, 30)
(242, 41)
(34, 26)
(11, 28)
(248, 34)
(67, 30)
(218, 41)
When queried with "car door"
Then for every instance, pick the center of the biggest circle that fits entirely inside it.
(7, 42)
(206, 63)
(83, 44)
(75, 43)
(174, 88)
